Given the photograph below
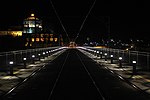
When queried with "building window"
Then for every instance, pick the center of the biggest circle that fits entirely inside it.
(55, 39)
(32, 39)
(37, 39)
(51, 39)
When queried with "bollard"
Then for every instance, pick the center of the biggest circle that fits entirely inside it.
(33, 56)
(39, 56)
(11, 68)
(24, 62)
(43, 55)
(105, 56)
(47, 54)
(101, 55)
(94, 52)
(120, 62)
(134, 67)
(111, 58)
(97, 54)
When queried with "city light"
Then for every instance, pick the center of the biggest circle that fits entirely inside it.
(134, 62)
(11, 62)
(24, 59)
(120, 58)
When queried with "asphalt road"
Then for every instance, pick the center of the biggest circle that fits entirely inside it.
(74, 76)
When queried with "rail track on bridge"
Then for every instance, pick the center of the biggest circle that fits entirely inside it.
(74, 76)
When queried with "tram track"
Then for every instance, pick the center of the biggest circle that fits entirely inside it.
(7, 93)
(74, 76)
(92, 79)
(58, 77)
(84, 70)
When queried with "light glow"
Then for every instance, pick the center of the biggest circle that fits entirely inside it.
(11, 62)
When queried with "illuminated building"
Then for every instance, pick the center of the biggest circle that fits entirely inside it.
(31, 34)
(12, 30)
(32, 28)
(35, 36)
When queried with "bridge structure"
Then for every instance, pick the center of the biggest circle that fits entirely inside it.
(20, 57)
(67, 72)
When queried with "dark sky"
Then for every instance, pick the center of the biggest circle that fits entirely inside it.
(128, 18)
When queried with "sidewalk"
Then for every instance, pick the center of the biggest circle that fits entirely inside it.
(140, 80)
(8, 83)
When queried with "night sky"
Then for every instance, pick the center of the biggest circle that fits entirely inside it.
(125, 19)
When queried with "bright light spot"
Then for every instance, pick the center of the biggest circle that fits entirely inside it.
(134, 62)
(127, 49)
(11, 62)
(32, 14)
(33, 56)
(120, 58)
(24, 58)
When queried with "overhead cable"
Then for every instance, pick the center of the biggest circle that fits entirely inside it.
(59, 19)
(85, 20)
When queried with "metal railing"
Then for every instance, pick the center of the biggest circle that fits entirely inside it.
(18, 57)
(142, 58)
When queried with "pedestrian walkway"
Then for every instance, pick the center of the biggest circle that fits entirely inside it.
(20, 74)
(140, 79)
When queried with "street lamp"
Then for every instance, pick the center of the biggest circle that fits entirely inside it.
(97, 53)
(105, 56)
(33, 57)
(134, 67)
(11, 67)
(39, 56)
(24, 62)
(120, 62)
(111, 57)
(101, 53)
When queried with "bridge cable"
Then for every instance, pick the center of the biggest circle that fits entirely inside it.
(59, 19)
(85, 20)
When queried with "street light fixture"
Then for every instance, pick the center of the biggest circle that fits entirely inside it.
(105, 56)
(134, 67)
(120, 62)
(33, 56)
(24, 62)
(11, 67)
(111, 57)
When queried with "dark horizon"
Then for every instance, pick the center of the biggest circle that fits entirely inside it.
(128, 19)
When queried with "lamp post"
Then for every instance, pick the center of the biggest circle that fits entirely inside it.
(105, 56)
(111, 58)
(101, 55)
(47, 53)
(43, 55)
(94, 52)
(120, 62)
(33, 57)
(39, 56)
(134, 67)
(98, 54)
(11, 67)
(24, 62)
